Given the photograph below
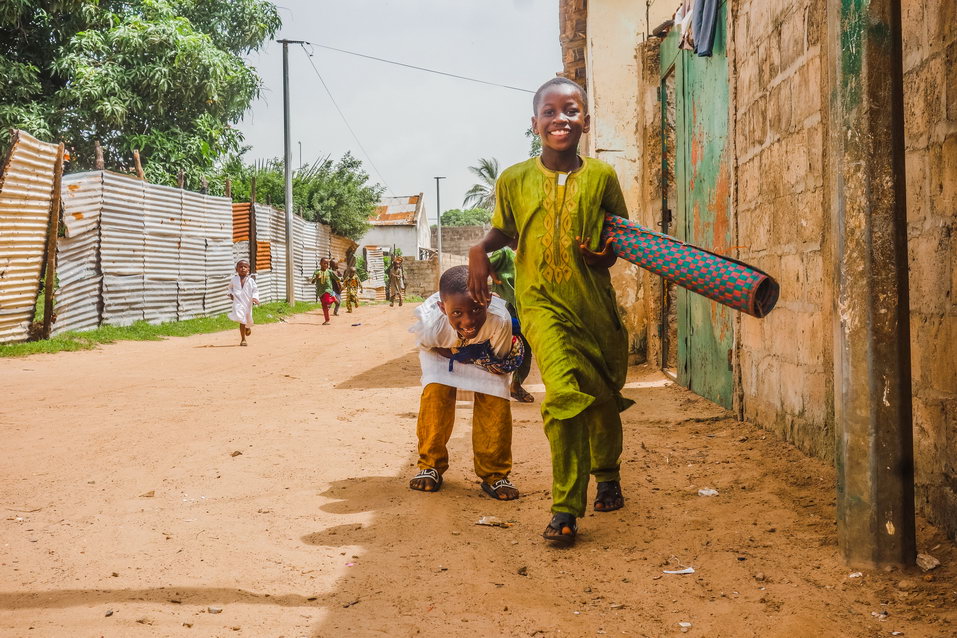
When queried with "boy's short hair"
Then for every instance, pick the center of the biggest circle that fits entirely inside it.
(454, 281)
(243, 261)
(554, 82)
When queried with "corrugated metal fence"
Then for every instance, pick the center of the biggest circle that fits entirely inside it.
(138, 251)
(25, 196)
(313, 242)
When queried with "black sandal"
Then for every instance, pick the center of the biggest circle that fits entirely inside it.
(561, 530)
(609, 497)
(492, 490)
(430, 474)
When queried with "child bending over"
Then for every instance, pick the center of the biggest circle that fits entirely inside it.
(465, 345)
(244, 294)
(553, 206)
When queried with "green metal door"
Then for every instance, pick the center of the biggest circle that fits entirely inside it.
(702, 213)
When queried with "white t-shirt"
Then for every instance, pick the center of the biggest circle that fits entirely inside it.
(433, 330)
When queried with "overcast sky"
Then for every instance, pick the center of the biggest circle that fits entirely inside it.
(414, 125)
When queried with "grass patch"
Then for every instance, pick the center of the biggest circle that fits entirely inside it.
(142, 331)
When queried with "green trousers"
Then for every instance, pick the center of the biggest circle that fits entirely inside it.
(587, 443)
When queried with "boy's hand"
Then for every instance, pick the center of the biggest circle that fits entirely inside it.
(480, 269)
(604, 259)
(444, 352)
(230, 296)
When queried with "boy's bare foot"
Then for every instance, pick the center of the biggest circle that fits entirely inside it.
(561, 530)
(522, 395)
(609, 497)
(426, 481)
(325, 323)
(502, 490)
(243, 343)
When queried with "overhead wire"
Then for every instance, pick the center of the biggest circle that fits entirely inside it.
(421, 68)
(343, 116)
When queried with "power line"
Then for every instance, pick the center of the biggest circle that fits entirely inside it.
(422, 68)
(342, 115)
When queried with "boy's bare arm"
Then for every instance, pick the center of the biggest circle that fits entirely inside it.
(480, 269)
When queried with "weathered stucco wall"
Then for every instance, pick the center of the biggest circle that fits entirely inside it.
(421, 276)
(614, 65)
(783, 216)
(930, 124)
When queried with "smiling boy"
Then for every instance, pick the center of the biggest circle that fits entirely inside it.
(553, 206)
(465, 345)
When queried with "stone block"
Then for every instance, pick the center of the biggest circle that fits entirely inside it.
(913, 32)
(811, 218)
(796, 163)
(811, 339)
(793, 380)
(756, 225)
(814, 26)
(816, 157)
(917, 177)
(950, 83)
(916, 123)
(759, 20)
(818, 402)
(941, 23)
(933, 352)
(930, 275)
(792, 41)
(779, 109)
(807, 97)
(749, 182)
(943, 179)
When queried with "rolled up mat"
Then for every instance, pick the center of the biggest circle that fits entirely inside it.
(725, 280)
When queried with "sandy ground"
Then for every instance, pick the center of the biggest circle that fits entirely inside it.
(146, 485)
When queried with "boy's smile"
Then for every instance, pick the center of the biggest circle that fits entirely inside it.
(465, 315)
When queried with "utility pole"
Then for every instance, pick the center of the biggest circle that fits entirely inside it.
(438, 222)
(287, 162)
(872, 375)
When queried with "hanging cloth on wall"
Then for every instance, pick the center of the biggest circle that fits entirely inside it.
(683, 18)
(722, 279)
(703, 23)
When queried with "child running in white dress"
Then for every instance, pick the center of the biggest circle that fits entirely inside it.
(245, 294)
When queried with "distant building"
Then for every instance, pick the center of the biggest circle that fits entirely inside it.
(399, 222)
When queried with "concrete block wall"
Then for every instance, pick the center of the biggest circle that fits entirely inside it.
(930, 124)
(457, 240)
(421, 276)
(778, 111)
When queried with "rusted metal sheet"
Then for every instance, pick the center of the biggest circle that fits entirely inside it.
(219, 255)
(25, 198)
(241, 221)
(340, 246)
(77, 299)
(397, 211)
(263, 255)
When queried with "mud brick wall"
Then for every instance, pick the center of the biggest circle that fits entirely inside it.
(930, 124)
(421, 277)
(457, 240)
(778, 89)
(572, 24)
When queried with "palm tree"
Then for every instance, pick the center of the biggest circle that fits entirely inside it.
(482, 195)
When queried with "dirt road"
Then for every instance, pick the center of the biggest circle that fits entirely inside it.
(147, 485)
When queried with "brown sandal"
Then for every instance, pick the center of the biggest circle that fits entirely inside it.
(562, 530)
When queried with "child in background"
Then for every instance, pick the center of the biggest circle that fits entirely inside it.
(465, 345)
(336, 285)
(244, 294)
(323, 279)
(503, 263)
(553, 206)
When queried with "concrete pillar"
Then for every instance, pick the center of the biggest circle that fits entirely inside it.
(872, 382)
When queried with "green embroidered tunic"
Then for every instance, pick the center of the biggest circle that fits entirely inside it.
(567, 309)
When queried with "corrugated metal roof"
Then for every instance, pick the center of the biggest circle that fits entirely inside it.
(26, 185)
(397, 211)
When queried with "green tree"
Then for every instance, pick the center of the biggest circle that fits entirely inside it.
(482, 194)
(534, 143)
(336, 193)
(467, 217)
(166, 77)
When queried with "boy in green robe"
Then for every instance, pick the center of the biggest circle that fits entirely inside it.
(553, 206)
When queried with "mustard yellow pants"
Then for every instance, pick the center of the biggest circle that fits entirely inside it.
(491, 432)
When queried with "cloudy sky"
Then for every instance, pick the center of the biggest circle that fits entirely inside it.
(413, 125)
